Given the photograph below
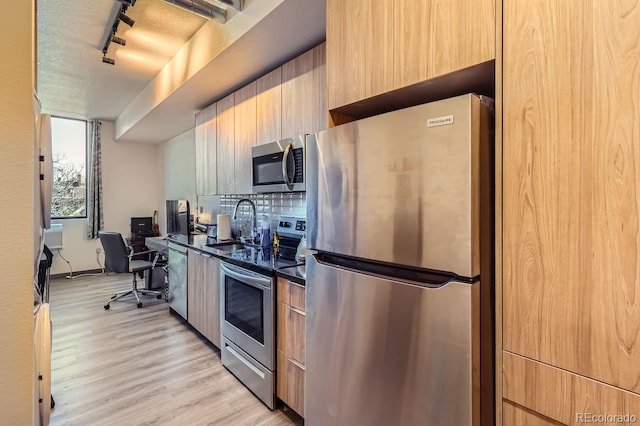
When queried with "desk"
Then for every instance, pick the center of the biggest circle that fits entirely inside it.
(158, 244)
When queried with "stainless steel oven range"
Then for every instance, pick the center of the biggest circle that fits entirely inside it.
(248, 328)
(247, 307)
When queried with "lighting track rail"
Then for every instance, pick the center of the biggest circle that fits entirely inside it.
(111, 35)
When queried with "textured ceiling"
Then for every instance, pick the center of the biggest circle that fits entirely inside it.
(73, 81)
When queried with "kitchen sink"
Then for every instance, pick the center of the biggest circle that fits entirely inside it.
(230, 246)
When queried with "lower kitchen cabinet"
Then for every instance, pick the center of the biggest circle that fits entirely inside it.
(203, 294)
(291, 344)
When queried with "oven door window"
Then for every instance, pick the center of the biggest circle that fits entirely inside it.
(243, 308)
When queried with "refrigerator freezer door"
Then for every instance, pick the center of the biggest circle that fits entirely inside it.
(401, 187)
(385, 352)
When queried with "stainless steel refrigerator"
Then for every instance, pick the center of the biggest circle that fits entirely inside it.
(399, 294)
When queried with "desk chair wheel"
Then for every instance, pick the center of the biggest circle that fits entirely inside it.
(139, 305)
(106, 307)
(158, 296)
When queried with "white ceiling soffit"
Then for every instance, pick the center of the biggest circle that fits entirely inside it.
(219, 59)
(73, 81)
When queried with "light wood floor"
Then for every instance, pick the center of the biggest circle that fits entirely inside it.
(129, 366)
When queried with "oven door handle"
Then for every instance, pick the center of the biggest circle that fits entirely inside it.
(252, 280)
(285, 169)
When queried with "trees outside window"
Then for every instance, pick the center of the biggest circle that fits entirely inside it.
(69, 153)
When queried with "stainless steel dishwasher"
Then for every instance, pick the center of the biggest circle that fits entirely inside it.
(178, 279)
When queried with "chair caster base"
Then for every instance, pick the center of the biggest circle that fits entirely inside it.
(158, 296)
(139, 305)
(106, 307)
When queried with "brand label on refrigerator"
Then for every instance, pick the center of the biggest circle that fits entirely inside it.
(440, 121)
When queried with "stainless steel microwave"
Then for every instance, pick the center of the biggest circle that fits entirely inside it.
(279, 166)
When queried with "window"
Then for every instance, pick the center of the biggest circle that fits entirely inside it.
(69, 153)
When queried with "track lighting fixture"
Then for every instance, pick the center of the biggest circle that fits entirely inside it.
(119, 40)
(124, 18)
(120, 15)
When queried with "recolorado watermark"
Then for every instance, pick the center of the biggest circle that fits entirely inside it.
(605, 418)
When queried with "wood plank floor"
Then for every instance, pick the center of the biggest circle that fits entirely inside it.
(130, 366)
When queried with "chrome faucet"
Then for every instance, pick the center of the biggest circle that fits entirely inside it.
(254, 228)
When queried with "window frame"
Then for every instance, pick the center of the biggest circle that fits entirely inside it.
(86, 169)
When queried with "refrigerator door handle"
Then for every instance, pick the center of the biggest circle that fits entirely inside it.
(420, 277)
(285, 168)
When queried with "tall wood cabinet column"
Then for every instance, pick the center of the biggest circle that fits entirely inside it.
(571, 198)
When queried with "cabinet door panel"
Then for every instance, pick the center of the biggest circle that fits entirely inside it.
(319, 113)
(206, 155)
(435, 37)
(225, 131)
(359, 50)
(297, 95)
(269, 107)
(212, 301)
(245, 136)
(571, 222)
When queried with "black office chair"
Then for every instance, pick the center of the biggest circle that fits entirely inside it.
(117, 258)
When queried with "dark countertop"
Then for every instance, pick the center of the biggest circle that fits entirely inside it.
(253, 258)
(297, 274)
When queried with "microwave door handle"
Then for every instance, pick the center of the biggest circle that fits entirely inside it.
(285, 169)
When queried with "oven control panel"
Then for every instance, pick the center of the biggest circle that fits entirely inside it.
(292, 226)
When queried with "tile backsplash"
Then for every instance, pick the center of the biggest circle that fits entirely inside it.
(272, 205)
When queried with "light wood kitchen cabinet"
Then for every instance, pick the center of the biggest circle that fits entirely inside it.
(536, 392)
(225, 132)
(571, 200)
(359, 50)
(245, 137)
(303, 80)
(376, 47)
(269, 107)
(206, 151)
(291, 344)
(571, 203)
(435, 37)
(203, 294)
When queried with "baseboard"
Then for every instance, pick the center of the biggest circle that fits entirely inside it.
(76, 273)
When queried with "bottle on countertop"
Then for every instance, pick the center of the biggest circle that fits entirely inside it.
(276, 243)
(301, 252)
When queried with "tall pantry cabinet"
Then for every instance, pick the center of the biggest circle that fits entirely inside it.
(570, 210)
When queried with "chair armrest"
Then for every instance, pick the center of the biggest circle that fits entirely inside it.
(132, 253)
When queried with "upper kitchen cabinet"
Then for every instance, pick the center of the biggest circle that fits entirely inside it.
(225, 135)
(245, 137)
(435, 37)
(571, 191)
(303, 82)
(206, 155)
(359, 50)
(269, 107)
(375, 47)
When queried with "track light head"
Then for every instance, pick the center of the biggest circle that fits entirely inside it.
(109, 61)
(119, 40)
(124, 18)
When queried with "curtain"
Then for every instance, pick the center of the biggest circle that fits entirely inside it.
(95, 217)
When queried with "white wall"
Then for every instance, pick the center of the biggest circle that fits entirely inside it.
(17, 157)
(178, 168)
(132, 182)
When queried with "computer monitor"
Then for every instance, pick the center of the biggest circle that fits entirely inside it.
(178, 217)
(142, 227)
